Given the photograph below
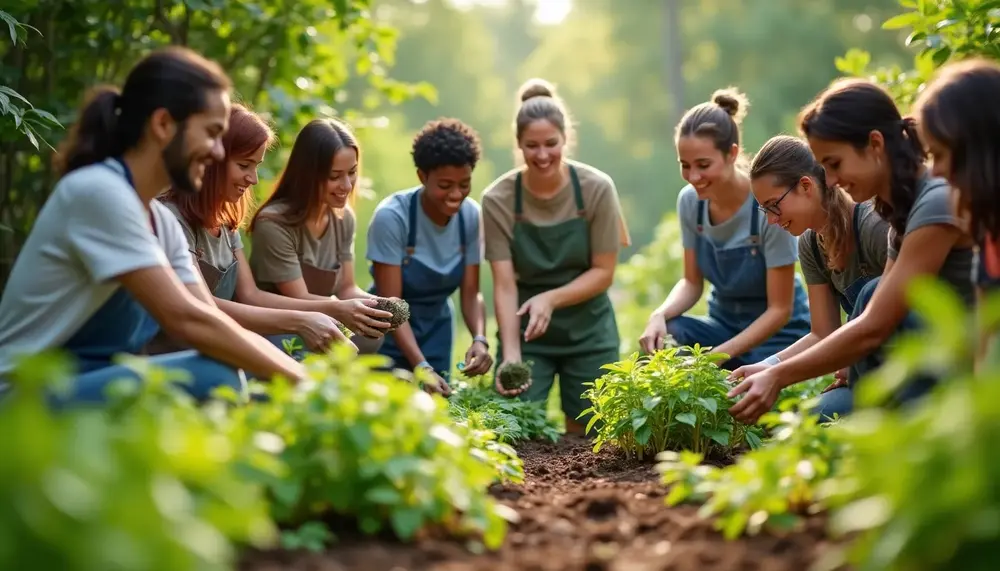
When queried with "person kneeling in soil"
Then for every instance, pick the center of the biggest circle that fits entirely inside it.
(423, 245)
(303, 235)
(842, 247)
(106, 264)
(856, 132)
(757, 305)
(211, 221)
(553, 229)
(963, 140)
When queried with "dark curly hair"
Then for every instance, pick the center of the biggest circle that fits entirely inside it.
(446, 142)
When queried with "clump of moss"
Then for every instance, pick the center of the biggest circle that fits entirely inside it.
(514, 375)
(399, 309)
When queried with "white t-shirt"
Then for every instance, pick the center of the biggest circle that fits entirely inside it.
(92, 229)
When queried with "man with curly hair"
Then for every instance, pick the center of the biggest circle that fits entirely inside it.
(424, 244)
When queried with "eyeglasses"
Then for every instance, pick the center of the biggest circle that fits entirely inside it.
(773, 207)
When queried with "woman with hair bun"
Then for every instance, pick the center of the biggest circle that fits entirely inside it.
(757, 305)
(552, 231)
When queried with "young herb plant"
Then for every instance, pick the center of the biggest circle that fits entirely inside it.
(674, 400)
(511, 420)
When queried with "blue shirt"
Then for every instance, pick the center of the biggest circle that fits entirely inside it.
(437, 247)
(780, 248)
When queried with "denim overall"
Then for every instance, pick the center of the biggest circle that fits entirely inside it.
(738, 297)
(429, 295)
(580, 339)
(122, 325)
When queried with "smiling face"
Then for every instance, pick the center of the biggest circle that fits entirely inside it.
(446, 188)
(795, 208)
(703, 165)
(542, 145)
(241, 174)
(862, 173)
(342, 179)
(197, 143)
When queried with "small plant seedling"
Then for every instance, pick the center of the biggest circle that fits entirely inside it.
(514, 375)
(399, 309)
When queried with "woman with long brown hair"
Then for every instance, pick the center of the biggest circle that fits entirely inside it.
(303, 235)
(212, 219)
(842, 246)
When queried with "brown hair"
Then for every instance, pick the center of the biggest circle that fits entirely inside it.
(209, 208)
(539, 101)
(848, 111)
(951, 112)
(788, 159)
(308, 168)
(111, 122)
(717, 119)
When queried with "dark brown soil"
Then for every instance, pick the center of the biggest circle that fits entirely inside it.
(579, 512)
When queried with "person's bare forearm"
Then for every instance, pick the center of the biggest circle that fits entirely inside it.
(260, 320)
(681, 299)
(474, 313)
(505, 307)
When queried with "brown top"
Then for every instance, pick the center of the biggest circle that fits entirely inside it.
(600, 203)
(278, 250)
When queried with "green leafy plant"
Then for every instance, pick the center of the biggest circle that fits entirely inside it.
(674, 400)
(149, 485)
(511, 420)
(771, 486)
(357, 443)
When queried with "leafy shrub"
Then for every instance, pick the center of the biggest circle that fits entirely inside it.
(360, 444)
(670, 401)
(511, 420)
(150, 486)
(771, 485)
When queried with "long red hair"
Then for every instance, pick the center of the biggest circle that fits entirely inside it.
(209, 208)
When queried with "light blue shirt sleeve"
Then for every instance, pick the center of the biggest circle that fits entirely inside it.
(473, 229)
(175, 245)
(780, 247)
(387, 233)
(687, 214)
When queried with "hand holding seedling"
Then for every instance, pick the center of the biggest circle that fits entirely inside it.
(362, 316)
(318, 331)
(760, 391)
(747, 371)
(539, 310)
(512, 378)
(477, 360)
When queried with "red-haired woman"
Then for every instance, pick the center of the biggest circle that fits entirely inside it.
(211, 220)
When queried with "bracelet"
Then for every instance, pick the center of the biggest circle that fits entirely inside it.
(772, 360)
(423, 364)
(481, 339)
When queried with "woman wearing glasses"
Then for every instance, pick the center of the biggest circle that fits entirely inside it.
(757, 305)
(842, 246)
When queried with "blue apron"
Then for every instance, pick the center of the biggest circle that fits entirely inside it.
(122, 325)
(738, 276)
(429, 295)
(849, 297)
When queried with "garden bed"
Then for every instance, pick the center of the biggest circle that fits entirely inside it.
(579, 512)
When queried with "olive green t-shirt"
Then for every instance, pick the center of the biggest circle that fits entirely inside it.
(600, 204)
(872, 231)
(280, 249)
(213, 250)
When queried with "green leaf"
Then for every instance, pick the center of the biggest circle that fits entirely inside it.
(686, 418)
(907, 19)
(406, 522)
(719, 436)
(711, 405)
(383, 495)
(643, 435)
(287, 491)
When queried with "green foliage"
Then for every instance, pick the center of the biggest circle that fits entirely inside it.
(150, 486)
(361, 444)
(768, 487)
(511, 420)
(941, 31)
(17, 114)
(670, 401)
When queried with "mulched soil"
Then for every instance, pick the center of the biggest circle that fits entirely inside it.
(579, 512)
